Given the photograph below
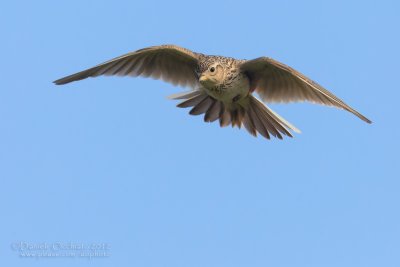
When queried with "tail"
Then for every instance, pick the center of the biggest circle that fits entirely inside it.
(253, 114)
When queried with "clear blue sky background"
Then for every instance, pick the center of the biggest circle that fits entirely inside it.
(112, 160)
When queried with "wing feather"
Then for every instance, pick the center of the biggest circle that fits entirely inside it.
(170, 63)
(277, 82)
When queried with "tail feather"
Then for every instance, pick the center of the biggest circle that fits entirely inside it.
(213, 112)
(202, 107)
(272, 127)
(239, 116)
(193, 101)
(252, 113)
(225, 117)
(185, 95)
(269, 123)
(278, 123)
(258, 122)
(249, 124)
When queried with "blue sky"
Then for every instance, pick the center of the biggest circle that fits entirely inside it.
(112, 161)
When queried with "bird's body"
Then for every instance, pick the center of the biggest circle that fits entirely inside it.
(223, 86)
(231, 86)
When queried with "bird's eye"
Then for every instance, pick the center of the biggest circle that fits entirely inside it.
(212, 69)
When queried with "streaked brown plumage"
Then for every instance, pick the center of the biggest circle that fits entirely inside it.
(223, 87)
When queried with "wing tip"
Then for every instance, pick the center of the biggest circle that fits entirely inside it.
(367, 120)
(67, 79)
(362, 117)
(74, 77)
(59, 82)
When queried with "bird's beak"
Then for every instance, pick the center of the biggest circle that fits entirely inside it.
(206, 80)
(203, 78)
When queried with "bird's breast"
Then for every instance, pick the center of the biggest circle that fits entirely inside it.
(233, 88)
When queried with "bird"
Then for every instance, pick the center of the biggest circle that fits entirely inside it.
(222, 88)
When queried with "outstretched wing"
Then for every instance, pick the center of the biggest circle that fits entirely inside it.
(170, 63)
(276, 82)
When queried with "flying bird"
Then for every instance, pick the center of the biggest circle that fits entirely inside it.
(222, 87)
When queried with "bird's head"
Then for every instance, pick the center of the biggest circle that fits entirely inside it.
(212, 76)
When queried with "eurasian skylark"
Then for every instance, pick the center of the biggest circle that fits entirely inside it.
(223, 87)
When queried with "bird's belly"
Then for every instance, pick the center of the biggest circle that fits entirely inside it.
(230, 91)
